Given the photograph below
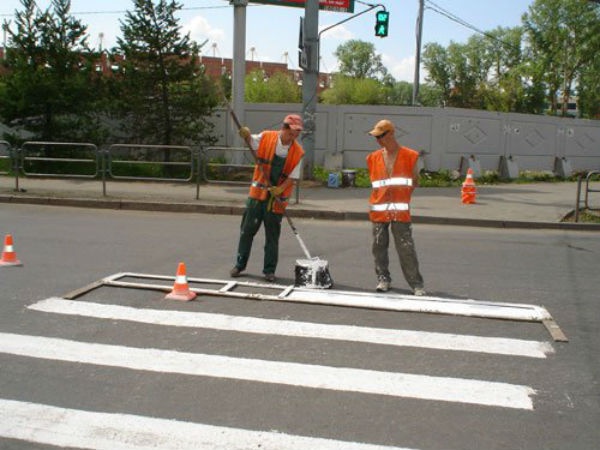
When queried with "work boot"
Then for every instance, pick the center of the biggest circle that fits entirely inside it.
(419, 292)
(383, 286)
(270, 277)
(235, 272)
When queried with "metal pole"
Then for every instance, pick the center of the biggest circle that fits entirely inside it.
(310, 83)
(238, 66)
(418, 53)
(578, 200)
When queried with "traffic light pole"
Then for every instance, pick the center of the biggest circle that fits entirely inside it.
(372, 7)
(309, 83)
(310, 80)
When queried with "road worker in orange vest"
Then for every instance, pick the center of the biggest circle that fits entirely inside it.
(394, 175)
(278, 164)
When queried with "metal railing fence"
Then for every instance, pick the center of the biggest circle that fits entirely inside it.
(59, 159)
(580, 182)
(6, 159)
(218, 166)
(81, 160)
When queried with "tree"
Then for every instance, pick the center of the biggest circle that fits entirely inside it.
(354, 91)
(589, 91)
(489, 71)
(435, 61)
(399, 93)
(162, 90)
(358, 59)
(565, 41)
(279, 88)
(48, 86)
(430, 95)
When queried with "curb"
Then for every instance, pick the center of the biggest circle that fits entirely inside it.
(204, 208)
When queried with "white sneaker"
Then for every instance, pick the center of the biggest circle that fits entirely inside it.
(419, 292)
(383, 286)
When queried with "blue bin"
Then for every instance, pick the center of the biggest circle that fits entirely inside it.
(333, 181)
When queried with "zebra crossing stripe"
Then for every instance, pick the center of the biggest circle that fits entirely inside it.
(73, 428)
(294, 374)
(403, 338)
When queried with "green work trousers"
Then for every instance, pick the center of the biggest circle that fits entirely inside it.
(256, 213)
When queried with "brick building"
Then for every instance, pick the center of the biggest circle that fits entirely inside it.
(214, 67)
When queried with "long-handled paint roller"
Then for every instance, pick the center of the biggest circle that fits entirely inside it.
(309, 272)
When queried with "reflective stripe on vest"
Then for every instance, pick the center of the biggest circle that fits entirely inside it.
(395, 181)
(256, 184)
(390, 207)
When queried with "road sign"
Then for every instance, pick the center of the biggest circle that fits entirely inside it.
(326, 5)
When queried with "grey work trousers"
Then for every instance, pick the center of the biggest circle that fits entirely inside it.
(405, 246)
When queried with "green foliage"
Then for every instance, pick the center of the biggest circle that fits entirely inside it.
(399, 93)
(347, 90)
(450, 178)
(47, 88)
(565, 41)
(549, 59)
(279, 88)
(161, 94)
(358, 60)
(320, 173)
(589, 216)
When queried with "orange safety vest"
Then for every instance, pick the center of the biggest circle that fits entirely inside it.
(262, 171)
(390, 196)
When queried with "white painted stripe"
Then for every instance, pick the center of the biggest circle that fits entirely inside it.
(401, 338)
(426, 304)
(353, 299)
(294, 374)
(75, 428)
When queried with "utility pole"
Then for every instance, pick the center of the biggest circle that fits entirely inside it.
(238, 66)
(310, 83)
(419, 31)
(309, 61)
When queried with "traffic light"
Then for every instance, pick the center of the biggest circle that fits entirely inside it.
(382, 19)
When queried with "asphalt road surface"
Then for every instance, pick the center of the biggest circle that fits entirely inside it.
(125, 368)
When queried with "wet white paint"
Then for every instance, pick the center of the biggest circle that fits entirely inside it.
(313, 273)
(400, 338)
(459, 390)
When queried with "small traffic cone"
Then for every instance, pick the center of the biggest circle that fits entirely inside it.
(9, 256)
(469, 190)
(181, 290)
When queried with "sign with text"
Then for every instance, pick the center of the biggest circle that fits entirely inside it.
(326, 5)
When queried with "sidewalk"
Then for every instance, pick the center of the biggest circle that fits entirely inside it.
(536, 205)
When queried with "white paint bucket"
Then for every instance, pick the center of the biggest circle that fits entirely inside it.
(313, 273)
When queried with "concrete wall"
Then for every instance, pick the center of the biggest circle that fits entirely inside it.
(443, 135)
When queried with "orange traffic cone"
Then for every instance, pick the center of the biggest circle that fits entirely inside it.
(469, 190)
(9, 256)
(181, 290)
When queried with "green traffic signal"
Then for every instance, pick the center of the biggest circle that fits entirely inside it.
(382, 19)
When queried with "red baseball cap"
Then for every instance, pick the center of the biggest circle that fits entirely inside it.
(294, 121)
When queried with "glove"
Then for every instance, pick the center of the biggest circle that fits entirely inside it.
(244, 133)
(276, 191)
(270, 203)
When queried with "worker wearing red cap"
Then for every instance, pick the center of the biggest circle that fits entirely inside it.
(277, 166)
(394, 175)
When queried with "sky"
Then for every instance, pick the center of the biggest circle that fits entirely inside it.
(272, 31)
